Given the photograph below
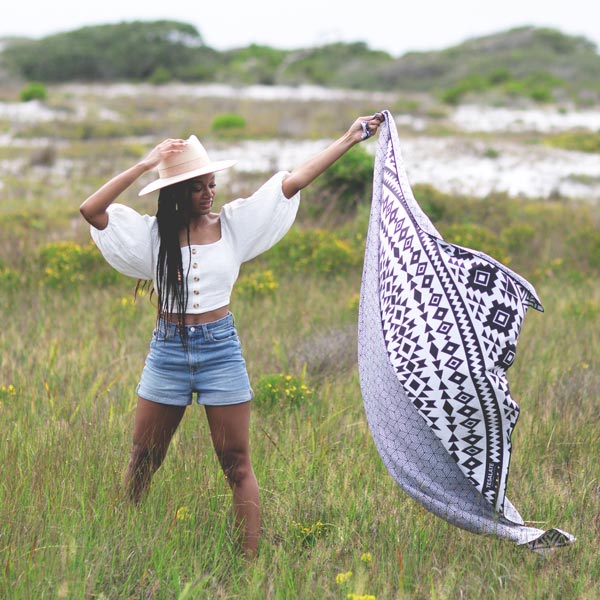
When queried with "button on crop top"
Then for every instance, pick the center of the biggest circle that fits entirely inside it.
(249, 226)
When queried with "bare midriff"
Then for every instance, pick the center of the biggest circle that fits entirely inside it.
(198, 319)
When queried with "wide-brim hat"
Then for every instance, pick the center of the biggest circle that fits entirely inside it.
(192, 162)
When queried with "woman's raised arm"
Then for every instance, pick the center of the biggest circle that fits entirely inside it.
(94, 208)
(307, 172)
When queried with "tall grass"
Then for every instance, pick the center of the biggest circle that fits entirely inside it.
(336, 525)
(70, 362)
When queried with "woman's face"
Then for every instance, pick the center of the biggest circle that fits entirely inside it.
(203, 191)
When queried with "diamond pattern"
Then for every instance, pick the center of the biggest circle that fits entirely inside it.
(438, 327)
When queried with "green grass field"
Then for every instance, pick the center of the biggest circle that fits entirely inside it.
(336, 526)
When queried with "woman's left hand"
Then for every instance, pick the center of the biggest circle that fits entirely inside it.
(308, 171)
(366, 127)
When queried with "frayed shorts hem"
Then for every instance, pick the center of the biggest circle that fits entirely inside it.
(204, 400)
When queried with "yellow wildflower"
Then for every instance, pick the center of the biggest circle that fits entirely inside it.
(183, 513)
(342, 578)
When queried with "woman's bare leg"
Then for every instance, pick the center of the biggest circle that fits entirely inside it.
(229, 428)
(153, 429)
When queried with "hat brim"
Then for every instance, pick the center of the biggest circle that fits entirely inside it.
(213, 167)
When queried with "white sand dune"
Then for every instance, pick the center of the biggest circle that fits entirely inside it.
(455, 164)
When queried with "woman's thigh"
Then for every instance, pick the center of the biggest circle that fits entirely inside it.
(230, 428)
(155, 423)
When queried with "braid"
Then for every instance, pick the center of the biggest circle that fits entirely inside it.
(173, 214)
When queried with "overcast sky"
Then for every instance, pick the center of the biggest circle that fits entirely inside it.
(396, 27)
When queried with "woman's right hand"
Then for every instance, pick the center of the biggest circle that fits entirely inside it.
(94, 208)
(161, 151)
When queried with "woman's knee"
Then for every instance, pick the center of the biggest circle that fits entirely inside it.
(143, 455)
(236, 465)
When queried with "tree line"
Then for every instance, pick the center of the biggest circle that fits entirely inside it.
(541, 63)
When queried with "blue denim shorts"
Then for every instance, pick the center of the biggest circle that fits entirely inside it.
(212, 365)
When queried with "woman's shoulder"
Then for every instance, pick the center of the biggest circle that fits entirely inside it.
(124, 219)
(259, 221)
(268, 194)
(122, 211)
(129, 242)
(127, 227)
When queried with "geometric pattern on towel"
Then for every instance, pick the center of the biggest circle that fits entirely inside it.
(438, 327)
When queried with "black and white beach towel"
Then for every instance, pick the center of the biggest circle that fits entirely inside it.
(438, 327)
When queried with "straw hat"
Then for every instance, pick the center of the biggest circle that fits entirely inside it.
(190, 163)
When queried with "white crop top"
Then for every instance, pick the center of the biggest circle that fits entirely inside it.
(249, 226)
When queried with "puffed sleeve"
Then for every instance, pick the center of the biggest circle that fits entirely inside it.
(257, 223)
(128, 242)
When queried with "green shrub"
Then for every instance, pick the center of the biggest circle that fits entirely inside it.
(333, 255)
(491, 153)
(405, 105)
(584, 248)
(121, 51)
(292, 253)
(8, 393)
(538, 86)
(281, 391)
(582, 141)
(307, 535)
(315, 251)
(254, 64)
(517, 237)
(257, 285)
(452, 95)
(473, 83)
(228, 123)
(348, 181)
(160, 75)
(433, 202)
(67, 264)
(354, 303)
(499, 76)
(478, 238)
(9, 279)
(34, 91)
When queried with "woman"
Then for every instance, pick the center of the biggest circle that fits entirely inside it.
(193, 256)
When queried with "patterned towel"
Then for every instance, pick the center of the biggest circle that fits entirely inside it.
(438, 327)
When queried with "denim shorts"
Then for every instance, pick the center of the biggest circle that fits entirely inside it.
(212, 365)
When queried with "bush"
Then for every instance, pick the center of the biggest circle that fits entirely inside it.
(254, 64)
(433, 202)
(257, 285)
(34, 91)
(307, 535)
(281, 390)
(348, 182)
(332, 256)
(67, 264)
(9, 279)
(228, 123)
(518, 237)
(478, 238)
(473, 83)
(582, 141)
(127, 50)
(584, 249)
(314, 250)
(160, 75)
(539, 86)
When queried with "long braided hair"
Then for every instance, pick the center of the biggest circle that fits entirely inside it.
(173, 215)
